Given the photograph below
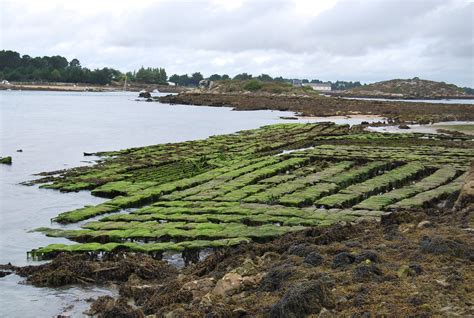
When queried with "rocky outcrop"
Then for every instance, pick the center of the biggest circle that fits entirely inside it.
(394, 112)
(413, 88)
(144, 94)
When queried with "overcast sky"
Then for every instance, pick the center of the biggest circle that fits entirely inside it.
(329, 39)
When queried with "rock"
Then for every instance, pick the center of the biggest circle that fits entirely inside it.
(314, 259)
(19, 150)
(149, 100)
(206, 84)
(6, 160)
(302, 300)
(424, 224)
(106, 306)
(3, 273)
(342, 259)
(364, 273)
(252, 281)
(144, 94)
(247, 268)
(403, 126)
(301, 250)
(368, 255)
(438, 245)
(269, 257)
(200, 286)
(275, 277)
(228, 285)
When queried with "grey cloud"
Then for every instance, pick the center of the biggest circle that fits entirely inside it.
(356, 40)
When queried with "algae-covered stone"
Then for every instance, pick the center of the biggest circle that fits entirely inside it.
(6, 160)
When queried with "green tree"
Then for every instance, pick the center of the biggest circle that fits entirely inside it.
(215, 77)
(55, 75)
(196, 78)
(243, 77)
(265, 78)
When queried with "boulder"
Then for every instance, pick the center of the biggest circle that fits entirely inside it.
(228, 285)
(342, 259)
(308, 298)
(144, 94)
(314, 259)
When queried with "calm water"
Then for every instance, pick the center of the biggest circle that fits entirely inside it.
(54, 129)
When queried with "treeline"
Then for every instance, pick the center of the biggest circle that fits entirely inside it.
(14, 67)
(148, 75)
(185, 80)
(17, 68)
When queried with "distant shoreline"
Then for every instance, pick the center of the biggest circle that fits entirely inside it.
(66, 87)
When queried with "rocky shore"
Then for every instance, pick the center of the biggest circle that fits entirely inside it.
(397, 112)
(412, 264)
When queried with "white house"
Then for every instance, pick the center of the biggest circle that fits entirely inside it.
(324, 87)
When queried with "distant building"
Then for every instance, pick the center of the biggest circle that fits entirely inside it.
(297, 82)
(324, 87)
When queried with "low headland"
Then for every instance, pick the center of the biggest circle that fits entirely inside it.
(256, 95)
(413, 88)
(287, 220)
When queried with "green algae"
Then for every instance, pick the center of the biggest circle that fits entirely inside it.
(252, 185)
(423, 199)
(434, 180)
(354, 193)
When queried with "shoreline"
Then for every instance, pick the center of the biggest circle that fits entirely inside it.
(66, 87)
